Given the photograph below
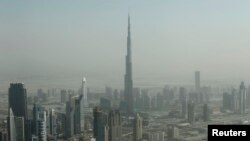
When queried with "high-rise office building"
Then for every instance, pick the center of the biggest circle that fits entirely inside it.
(160, 101)
(41, 126)
(15, 127)
(18, 100)
(137, 97)
(184, 109)
(226, 102)
(106, 133)
(36, 110)
(137, 128)
(108, 92)
(39, 122)
(115, 127)
(101, 129)
(128, 89)
(242, 98)
(206, 112)
(197, 81)
(77, 115)
(11, 126)
(73, 116)
(19, 125)
(64, 96)
(61, 123)
(70, 112)
(84, 101)
(248, 97)
(105, 104)
(52, 124)
(168, 93)
(18, 104)
(183, 101)
(191, 112)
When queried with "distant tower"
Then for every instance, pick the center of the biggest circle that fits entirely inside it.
(128, 90)
(197, 81)
(183, 101)
(64, 96)
(137, 128)
(84, 92)
(191, 114)
(242, 98)
(114, 122)
(206, 112)
(84, 101)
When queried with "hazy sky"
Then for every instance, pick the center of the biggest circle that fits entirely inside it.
(57, 39)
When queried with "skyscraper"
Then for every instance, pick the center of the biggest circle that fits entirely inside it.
(84, 92)
(206, 112)
(183, 101)
(63, 96)
(73, 116)
(18, 100)
(11, 126)
(84, 101)
(137, 128)
(242, 98)
(52, 123)
(191, 114)
(197, 81)
(39, 122)
(128, 90)
(15, 127)
(77, 115)
(101, 130)
(18, 104)
(114, 122)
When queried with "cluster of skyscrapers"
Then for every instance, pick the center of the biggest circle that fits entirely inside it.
(20, 126)
(48, 124)
(237, 101)
(72, 119)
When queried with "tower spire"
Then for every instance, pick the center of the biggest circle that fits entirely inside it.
(129, 40)
(128, 22)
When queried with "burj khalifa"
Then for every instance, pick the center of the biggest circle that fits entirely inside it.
(128, 88)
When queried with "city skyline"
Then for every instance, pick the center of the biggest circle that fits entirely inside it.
(113, 70)
(181, 37)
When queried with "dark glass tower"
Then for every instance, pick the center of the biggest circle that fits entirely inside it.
(128, 90)
(100, 130)
(18, 100)
(18, 104)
